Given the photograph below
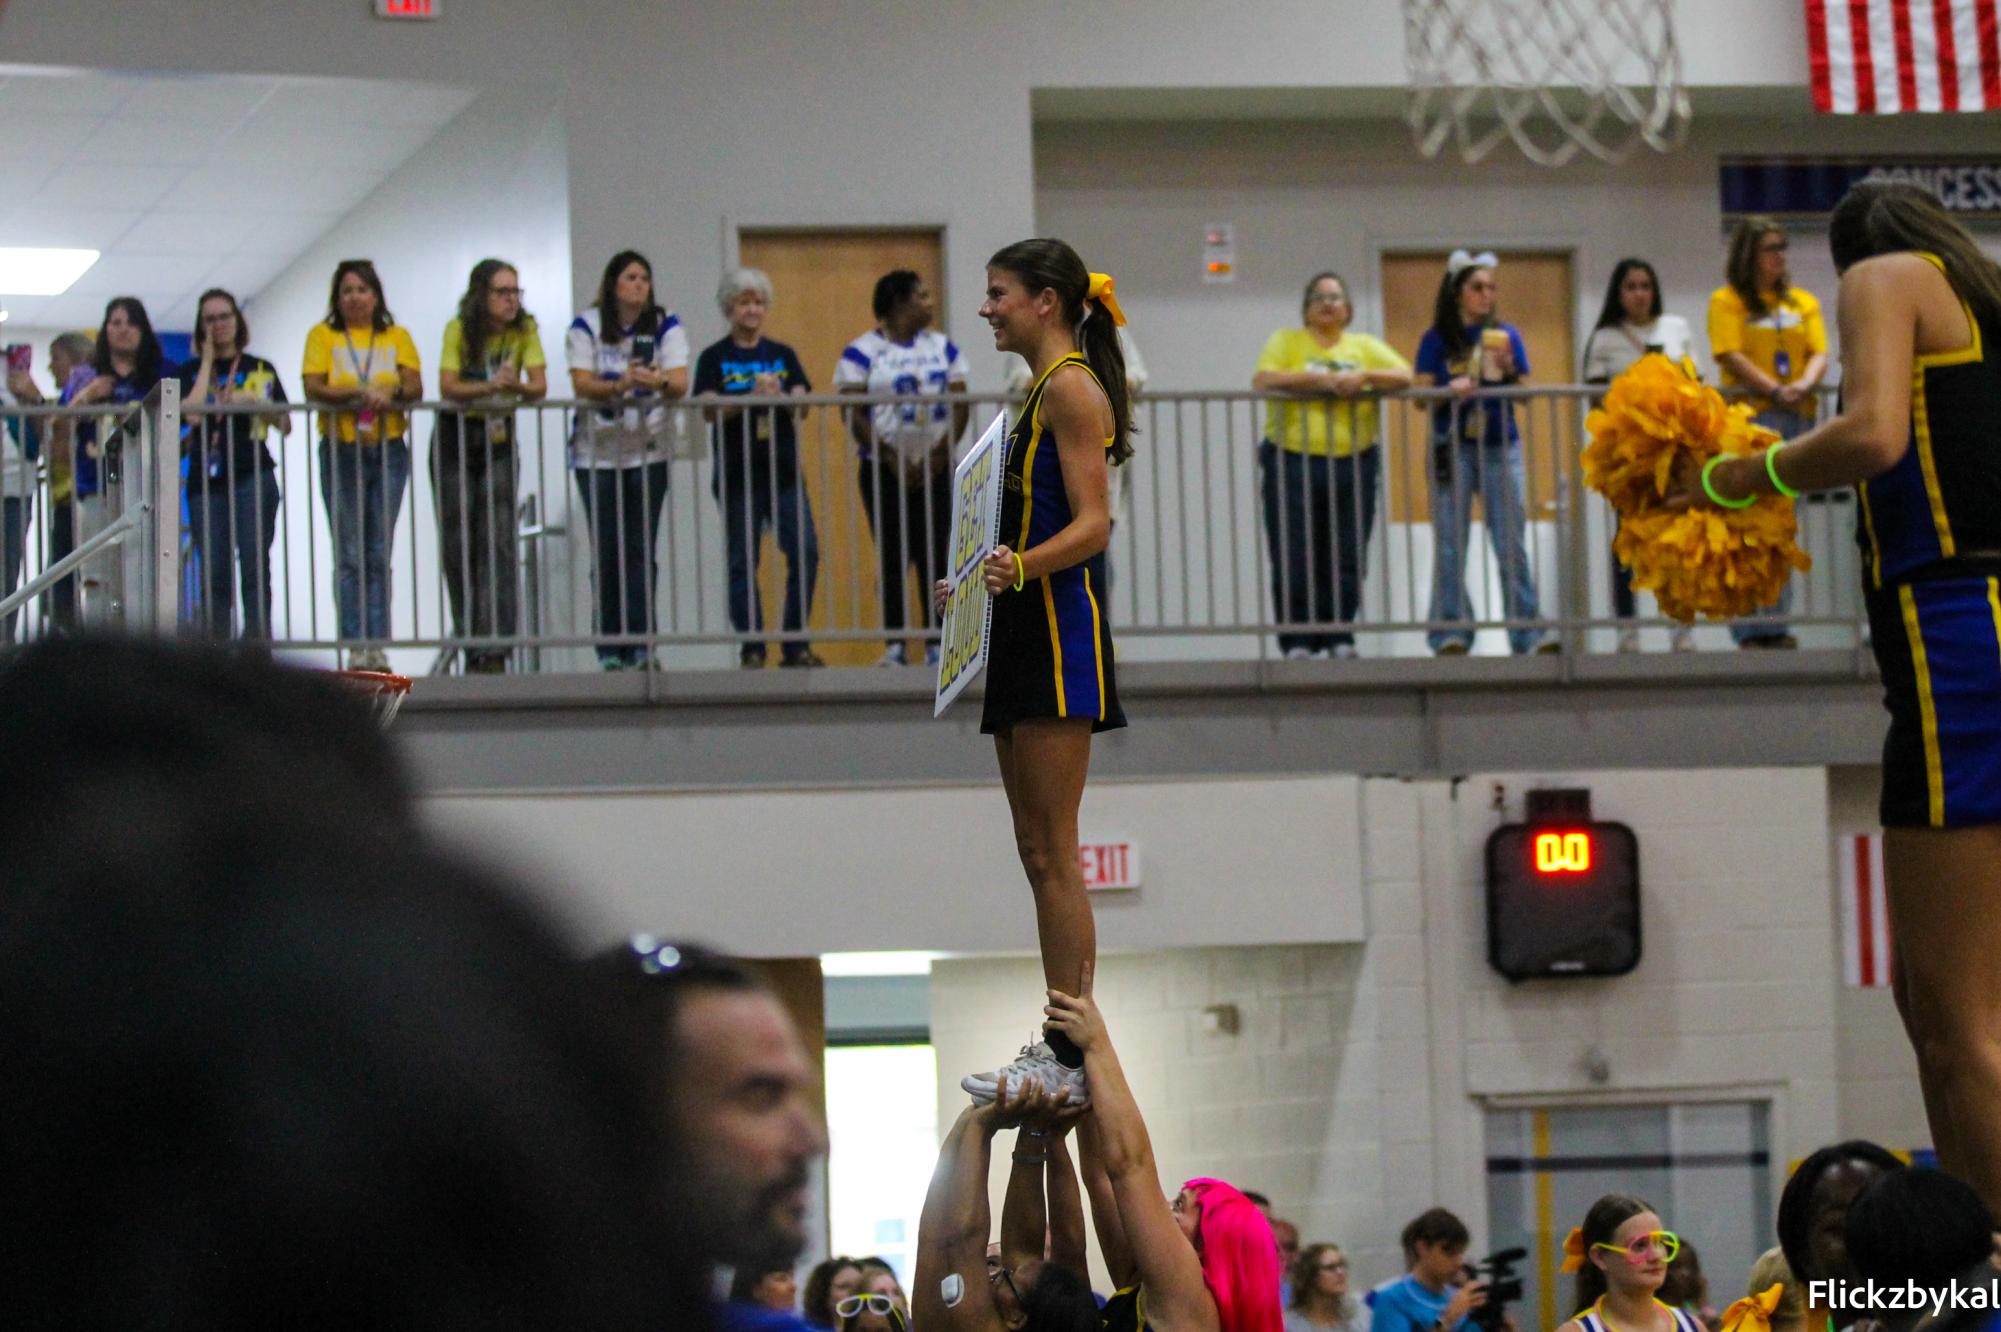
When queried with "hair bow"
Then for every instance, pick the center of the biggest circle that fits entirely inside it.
(1754, 1313)
(1100, 291)
(1573, 1243)
(1462, 260)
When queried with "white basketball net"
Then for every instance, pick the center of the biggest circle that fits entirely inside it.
(1558, 77)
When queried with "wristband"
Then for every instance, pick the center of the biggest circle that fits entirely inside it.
(1772, 471)
(1020, 576)
(1710, 490)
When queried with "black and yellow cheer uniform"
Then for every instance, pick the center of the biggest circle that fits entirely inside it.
(1124, 1312)
(1931, 548)
(1051, 644)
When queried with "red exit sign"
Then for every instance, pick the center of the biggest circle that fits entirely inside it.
(409, 9)
(1109, 865)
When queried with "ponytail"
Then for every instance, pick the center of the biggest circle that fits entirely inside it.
(1092, 311)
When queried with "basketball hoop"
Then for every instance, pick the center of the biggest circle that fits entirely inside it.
(1558, 77)
(385, 690)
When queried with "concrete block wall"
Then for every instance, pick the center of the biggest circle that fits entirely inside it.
(1355, 1089)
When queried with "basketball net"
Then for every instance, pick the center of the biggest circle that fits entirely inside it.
(384, 690)
(1558, 77)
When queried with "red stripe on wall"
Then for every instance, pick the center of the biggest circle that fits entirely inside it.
(1990, 54)
(1816, 53)
(1865, 916)
(1865, 62)
(1907, 56)
(1948, 56)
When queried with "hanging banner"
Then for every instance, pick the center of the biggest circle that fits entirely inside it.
(968, 625)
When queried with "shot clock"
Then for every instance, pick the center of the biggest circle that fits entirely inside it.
(1563, 892)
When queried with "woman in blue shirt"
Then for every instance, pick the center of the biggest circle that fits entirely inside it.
(1476, 448)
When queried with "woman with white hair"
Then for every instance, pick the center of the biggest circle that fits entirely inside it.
(757, 483)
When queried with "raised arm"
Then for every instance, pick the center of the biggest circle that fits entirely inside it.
(1024, 1220)
(952, 1231)
(1112, 1244)
(1177, 1298)
(1066, 1206)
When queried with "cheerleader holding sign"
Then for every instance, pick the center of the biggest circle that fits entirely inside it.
(1050, 681)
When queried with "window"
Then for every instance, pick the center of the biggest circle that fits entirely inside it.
(882, 1125)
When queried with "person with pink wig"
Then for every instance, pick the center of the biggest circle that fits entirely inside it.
(1208, 1262)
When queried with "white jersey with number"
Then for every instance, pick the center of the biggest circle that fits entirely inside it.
(924, 368)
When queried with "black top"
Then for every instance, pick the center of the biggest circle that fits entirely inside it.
(766, 432)
(225, 447)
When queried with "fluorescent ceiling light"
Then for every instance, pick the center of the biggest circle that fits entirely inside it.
(878, 964)
(37, 272)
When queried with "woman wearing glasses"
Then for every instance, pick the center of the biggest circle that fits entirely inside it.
(1320, 1298)
(1621, 1256)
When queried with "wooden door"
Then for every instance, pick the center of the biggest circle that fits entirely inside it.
(822, 285)
(1537, 297)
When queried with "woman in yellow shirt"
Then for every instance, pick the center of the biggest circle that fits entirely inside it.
(362, 360)
(493, 357)
(1319, 464)
(1767, 337)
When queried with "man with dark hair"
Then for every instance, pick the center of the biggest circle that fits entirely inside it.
(739, 1103)
(1433, 1295)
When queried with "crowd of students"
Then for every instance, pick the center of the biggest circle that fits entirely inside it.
(628, 356)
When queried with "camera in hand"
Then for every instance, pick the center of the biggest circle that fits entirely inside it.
(1504, 1287)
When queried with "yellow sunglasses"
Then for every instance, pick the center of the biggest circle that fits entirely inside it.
(1666, 1241)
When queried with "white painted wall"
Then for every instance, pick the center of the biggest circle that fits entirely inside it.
(791, 873)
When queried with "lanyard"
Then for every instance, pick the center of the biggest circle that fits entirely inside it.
(367, 372)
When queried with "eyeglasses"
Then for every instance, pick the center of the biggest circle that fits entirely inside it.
(880, 1305)
(1665, 1242)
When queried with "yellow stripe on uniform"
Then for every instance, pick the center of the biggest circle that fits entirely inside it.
(1545, 1220)
(1934, 770)
(1921, 427)
(1097, 649)
(1055, 645)
(1875, 546)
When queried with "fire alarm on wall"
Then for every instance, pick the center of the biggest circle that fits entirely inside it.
(409, 9)
(1219, 252)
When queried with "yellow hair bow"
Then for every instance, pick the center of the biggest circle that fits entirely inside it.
(1100, 291)
(1573, 1250)
(1753, 1313)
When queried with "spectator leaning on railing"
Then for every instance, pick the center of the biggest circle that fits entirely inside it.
(493, 357)
(1768, 337)
(361, 358)
(125, 366)
(905, 447)
(232, 478)
(631, 355)
(757, 483)
(1631, 325)
(1319, 465)
(50, 440)
(1476, 448)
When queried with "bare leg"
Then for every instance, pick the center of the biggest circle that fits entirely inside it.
(1943, 885)
(1043, 766)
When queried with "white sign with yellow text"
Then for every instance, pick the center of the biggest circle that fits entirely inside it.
(976, 501)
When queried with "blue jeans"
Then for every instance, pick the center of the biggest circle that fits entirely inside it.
(13, 554)
(234, 524)
(1460, 469)
(1789, 425)
(623, 506)
(362, 485)
(1318, 514)
(750, 503)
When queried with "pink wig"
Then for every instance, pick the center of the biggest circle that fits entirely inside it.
(1239, 1258)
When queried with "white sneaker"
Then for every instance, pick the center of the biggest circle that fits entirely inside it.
(1681, 638)
(1036, 1064)
(1629, 640)
(893, 656)
(368, 659)
(1345, 651)
(1297, 654)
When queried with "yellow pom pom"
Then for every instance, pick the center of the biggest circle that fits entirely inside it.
(1657, 417)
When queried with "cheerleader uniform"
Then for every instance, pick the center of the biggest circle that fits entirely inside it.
(1593, 1319)
(1931, 547)
(1050, 651)
(1124, 1312)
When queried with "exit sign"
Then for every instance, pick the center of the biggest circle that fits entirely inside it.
(409, 9)
(1109, 865)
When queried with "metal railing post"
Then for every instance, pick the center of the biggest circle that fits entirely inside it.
(163, 471)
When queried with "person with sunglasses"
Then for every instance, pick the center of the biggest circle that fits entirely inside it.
(956, 1288)
(870, 1313)
(1621, 1255)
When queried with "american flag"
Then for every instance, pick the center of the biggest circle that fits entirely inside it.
(1865, 911)
(1871, 56)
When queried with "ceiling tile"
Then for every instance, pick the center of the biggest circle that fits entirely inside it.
(119, 273)
(164, 231)
(20, 180)
(333, 102)
(80, 185)
(287, 234)
(35, 137)
(248, 274)
(82, 228)
(129, 140)
(59, 93)
(219, 101)
(26, 312)
(71, 310)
